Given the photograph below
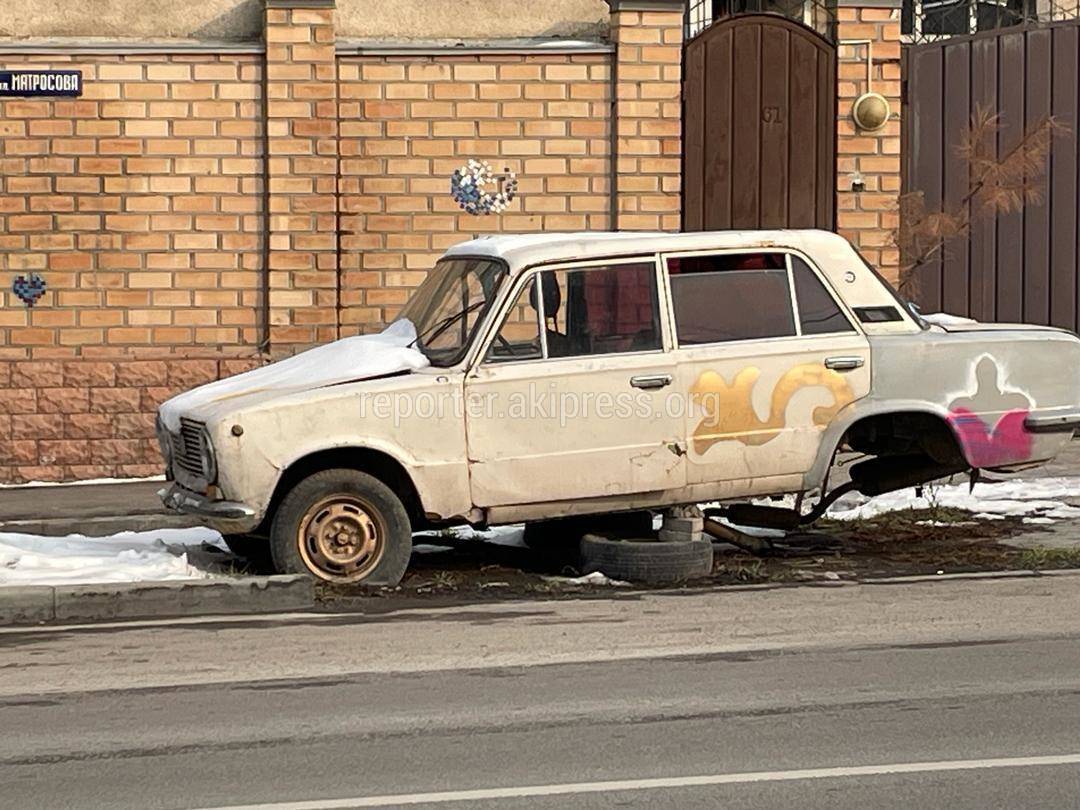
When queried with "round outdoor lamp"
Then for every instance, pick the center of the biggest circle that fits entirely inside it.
(870, 111)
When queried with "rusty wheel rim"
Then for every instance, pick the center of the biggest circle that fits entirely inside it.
(341, 538)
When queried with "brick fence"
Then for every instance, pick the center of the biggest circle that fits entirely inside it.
(196, 213)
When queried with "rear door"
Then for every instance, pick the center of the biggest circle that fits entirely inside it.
(767, 355)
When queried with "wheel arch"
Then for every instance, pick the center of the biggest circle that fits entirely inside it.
(935, 416)
(376, 463)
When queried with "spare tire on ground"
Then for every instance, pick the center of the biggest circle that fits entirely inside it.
(646, 560)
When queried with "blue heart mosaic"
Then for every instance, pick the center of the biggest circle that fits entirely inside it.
(29, 289)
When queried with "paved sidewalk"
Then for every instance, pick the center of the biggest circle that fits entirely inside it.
(94, 509)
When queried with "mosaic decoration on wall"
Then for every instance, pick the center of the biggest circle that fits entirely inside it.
(478, 190)
(29, 288)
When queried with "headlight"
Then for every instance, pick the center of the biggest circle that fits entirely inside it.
(206, 451)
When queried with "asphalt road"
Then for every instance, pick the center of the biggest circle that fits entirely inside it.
(952, 694)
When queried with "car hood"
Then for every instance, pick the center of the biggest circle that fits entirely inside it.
(347, 360)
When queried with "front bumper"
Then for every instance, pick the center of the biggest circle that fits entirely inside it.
(229, 515)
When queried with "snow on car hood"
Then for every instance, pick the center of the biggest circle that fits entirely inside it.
(944, 319)
(955, 323)
(352, 358)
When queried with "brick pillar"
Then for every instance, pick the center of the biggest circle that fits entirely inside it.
(302, 166)
(868, 217)
(647, 114)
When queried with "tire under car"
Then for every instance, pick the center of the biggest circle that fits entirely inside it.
(648, 561)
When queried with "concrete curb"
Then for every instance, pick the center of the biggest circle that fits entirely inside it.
(74, 604)
(42, 604)
(100, 526)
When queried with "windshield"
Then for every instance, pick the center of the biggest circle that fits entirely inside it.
(449, 306)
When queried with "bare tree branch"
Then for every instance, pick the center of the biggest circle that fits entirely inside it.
(997, 185)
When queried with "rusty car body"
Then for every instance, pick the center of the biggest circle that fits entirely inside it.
(730, 365)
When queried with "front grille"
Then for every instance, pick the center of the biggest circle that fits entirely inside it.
(188, 447)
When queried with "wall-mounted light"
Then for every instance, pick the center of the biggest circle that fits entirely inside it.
(870, 111)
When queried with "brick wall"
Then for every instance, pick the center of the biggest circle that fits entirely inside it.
(868, 217)
(71, 419)
(648, 74)
(140, 203)
(408, 122)
(302, 166)
(196, 213)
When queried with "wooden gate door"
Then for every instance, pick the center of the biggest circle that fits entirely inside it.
(759, 120)
(1020, 266)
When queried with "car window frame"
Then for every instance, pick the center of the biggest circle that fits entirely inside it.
(662, 263)
(519, 286)
(534, 271)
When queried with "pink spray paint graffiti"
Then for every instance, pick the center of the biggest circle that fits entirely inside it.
(1005, 441)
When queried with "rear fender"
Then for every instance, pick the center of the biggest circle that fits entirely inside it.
(863, 409)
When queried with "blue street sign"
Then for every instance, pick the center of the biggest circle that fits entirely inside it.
(31, 83)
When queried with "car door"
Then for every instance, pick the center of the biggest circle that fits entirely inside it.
(567, 401)
(767, 355)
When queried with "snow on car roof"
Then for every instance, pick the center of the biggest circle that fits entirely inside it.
(524, 250)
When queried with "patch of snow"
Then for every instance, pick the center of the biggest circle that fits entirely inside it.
(83, 482)
(351, 358)
(1018, 497)
(513, 536)
(595, 578)
(28, 559)
(945, 319)
(755, 531)
(943, 523)
(429, 548)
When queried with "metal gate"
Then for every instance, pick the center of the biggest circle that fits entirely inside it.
(759, 122)
(1021, 266)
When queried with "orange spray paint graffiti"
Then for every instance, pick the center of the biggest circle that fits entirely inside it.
(729, 409)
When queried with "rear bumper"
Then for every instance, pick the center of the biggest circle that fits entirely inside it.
(1054, 422)
(226, 516)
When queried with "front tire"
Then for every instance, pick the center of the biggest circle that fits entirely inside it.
(342, 526)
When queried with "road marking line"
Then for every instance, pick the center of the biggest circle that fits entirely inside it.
(619, 785)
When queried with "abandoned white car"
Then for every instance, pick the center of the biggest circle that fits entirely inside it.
(532, 378)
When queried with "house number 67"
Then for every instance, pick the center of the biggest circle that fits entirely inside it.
(771, 115)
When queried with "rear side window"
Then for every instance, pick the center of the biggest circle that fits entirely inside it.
(819, 314)
(727, 297)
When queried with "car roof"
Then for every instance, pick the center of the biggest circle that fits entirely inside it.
(525, 250)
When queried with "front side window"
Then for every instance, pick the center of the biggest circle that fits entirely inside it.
(449, 306)
(730, 296)
(578, 312)
(519, 336)
(609, 309)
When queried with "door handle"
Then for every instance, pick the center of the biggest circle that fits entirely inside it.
(651, 382)
(843, 363)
